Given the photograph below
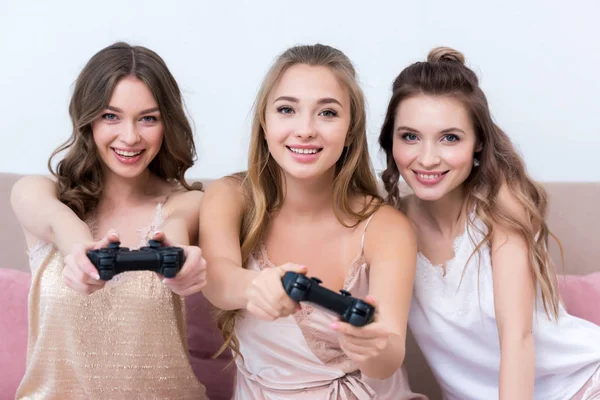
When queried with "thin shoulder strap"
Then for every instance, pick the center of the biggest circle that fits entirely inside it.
(362, 240)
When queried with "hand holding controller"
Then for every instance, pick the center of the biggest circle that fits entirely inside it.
(114, 259)
(352, 310)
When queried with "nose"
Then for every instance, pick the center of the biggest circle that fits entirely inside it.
(305, 129)
(130, 135)
(429, 157)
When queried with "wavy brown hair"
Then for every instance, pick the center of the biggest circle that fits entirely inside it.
(445, 74)
(264, 184)
(79, 172)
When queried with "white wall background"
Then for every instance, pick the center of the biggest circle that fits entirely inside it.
(538, 61)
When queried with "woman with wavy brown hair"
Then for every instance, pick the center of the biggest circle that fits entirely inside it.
(123, 172)
(486, 311)
(308, 203)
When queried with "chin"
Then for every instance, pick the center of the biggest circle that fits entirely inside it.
(428, 193)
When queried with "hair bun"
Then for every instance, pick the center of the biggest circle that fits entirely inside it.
(447, 54)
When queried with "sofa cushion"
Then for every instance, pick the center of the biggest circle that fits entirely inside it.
(204, 341)
(14, 289)
(581, 295)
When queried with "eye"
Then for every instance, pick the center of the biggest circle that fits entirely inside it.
(109, 117)
(149, 118)
(409, 137)
(451, 138)
(285, 110)
(328, 113)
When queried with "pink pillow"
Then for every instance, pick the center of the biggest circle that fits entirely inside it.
(14, 290)
(204, 340)
(581, 294)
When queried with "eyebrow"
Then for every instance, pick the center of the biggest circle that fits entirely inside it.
(325, 100)
(147, 111)
(447, 130)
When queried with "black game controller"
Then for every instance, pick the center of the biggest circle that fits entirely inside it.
(352, 310)
(113, 260)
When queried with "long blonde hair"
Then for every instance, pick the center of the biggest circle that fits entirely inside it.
(445, 74)
(263, 182)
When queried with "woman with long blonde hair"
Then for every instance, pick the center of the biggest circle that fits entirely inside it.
(486, 311)
(309, 203)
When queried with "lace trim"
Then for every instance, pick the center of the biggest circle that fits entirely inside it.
(311, 319)
(42, 249)
(445, 266)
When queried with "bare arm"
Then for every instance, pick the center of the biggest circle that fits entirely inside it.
(221, 215)
(42, 216)
(514, 293)
(391, 251)
(183, 210)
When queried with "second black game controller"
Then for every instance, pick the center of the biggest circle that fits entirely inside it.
(352, 310)
(114, 259)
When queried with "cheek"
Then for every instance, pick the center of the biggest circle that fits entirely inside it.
(403, 154)
(102, 134)
(155, 135)
(276, 129)
(458, 157)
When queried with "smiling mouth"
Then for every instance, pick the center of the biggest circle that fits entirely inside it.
(127, 154)
(298, 150)
(430, 176)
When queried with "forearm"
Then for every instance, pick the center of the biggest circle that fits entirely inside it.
(388, 362)
(227, 284)
(68, 230)
(517, 368)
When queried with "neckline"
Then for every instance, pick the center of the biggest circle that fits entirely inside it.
(145, 232)
(357, 262)
(445, 266)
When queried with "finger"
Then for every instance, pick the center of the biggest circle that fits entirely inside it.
(265, 304)
(371, 300)
(83, 263)
(192, 289)
(301, 269)
(259, 312)
(359, 353)
(276, 294)
(111, 237)
(367, 344)
(370, 331)
(193, 262)
(159, 236)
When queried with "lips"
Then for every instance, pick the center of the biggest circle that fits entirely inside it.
(430, 177)
(127, 156)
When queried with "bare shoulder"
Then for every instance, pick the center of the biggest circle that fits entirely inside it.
(184, 202)
(33, 184)
(32, 192)
(389, 225)
(511, 205)
(227, 191)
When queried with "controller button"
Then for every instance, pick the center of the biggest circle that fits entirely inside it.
(154, 244)
(114, 245)
(345, 292)
(170, 259)
(362, 306)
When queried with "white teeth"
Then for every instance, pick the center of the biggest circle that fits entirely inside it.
(127, 153)
(303, 151)
(429, 176)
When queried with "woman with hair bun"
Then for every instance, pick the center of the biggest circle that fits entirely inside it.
(486, 310)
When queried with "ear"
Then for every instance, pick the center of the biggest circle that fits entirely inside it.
(478, 147)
